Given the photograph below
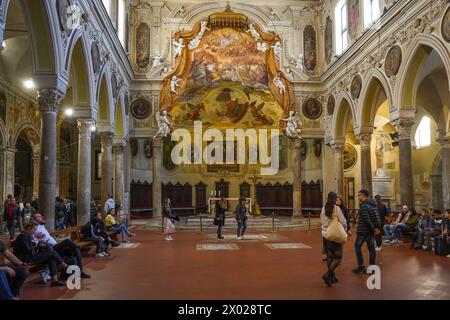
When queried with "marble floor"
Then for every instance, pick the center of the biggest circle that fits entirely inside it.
(265, 266)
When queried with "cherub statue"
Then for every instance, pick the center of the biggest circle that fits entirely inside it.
(294, 125)
(196, 41)
(262, 46)
(174, 84)
(253, 32)
(279, 83)
(164, 124)
(179, 46)
(157, 60)
(299, 62)
(277, 49)
(203, 27)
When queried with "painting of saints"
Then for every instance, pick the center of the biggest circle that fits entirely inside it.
(353, 17)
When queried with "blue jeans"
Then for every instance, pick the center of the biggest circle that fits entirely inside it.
(369, 239)
(242, 226)
(389, 230)
(402, 229)
(122, 229)
(5, 291)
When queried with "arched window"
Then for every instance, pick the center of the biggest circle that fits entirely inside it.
(423, 133)
(371, 12)
(121, 22)
(340, 13)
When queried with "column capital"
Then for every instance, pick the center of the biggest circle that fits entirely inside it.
(404, 127)
(85, 125)
(118, 148)
(106, 139)
(156, 143)
(297, 142)
(49, 99)
(338, 147)
(364, 140)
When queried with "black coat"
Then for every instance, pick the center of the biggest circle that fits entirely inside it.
(369, 218)
(241, 212)
(220, 213)
(23, 248)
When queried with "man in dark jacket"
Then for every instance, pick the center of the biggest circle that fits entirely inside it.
(12, 216)
(368, 228)
(241, 218)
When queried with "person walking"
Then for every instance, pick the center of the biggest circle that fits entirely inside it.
(334, 231)
(169, 217)
(368, 228)
(219, 219)
(12, 215)
(241, 218)
(383, 212)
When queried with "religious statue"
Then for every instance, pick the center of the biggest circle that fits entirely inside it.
(262, 46)
(164, 124)
(157, 61)
(289, 74)
(179, 45)
(299, 62)
(196, 41)
(277, 49)
(294, 125)
(253, 32)
(174, 84)
(279, 83)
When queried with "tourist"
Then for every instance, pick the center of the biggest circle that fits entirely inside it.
(221, 206)
(89, 234)
(60, 213)
(424, 225)
(241, 218)
(101, 231)
(408, 224)
(20, 220)
(65, 248)
(368, 228)
(27, 213)
(113, 225)
(5, 291)
(109, 204)
(344, 210)
(383, 212)
(389, 229)
(40, 255)
(16, 278)
(34, 203)
(333, 247)
(12, 216)
(69, 211)
(169, 217)
(437, 228)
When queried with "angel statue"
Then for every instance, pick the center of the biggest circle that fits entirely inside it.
(254, 33)
(164, 124)
(299, 62)
(157, 60)
(294, 125)
(277, 49)
(203, 27)
(279, 83)
(174, 84)
(178, 47)
(262, 46)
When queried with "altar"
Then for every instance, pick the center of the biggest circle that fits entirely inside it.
(248, 203)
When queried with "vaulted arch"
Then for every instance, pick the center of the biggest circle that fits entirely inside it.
(344, 112)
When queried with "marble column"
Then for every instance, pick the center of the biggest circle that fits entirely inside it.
(107, 166)
(156, 183)
(7, 161)
(366, 161)
(445, 145)
(405, 153)
(338, 150)
(84, 176)
(119, 177)
(36, 165)
(297, 178)
(48, 100)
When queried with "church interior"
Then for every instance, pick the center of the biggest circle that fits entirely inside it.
(96, 96)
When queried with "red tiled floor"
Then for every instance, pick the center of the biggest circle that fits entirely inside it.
(176, 270)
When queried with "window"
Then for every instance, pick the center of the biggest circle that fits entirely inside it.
(423, 133)
(121, 23)
(107, 4)
(341, 26)
(371, 12)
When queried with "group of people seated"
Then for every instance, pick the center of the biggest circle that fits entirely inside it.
(424, 226)
(35, 247)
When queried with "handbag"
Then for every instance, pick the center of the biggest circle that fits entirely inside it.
(216, 221)
(336, 231)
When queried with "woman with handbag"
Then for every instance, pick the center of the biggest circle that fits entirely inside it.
(169, 218)
(219, 219)
(334, 226)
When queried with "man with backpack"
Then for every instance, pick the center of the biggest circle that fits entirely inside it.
(368, 227)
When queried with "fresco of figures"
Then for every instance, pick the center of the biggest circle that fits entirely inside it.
(227, 84)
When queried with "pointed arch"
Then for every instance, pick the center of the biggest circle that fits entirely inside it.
(345, 111)
(105, 114)
(31, 132)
